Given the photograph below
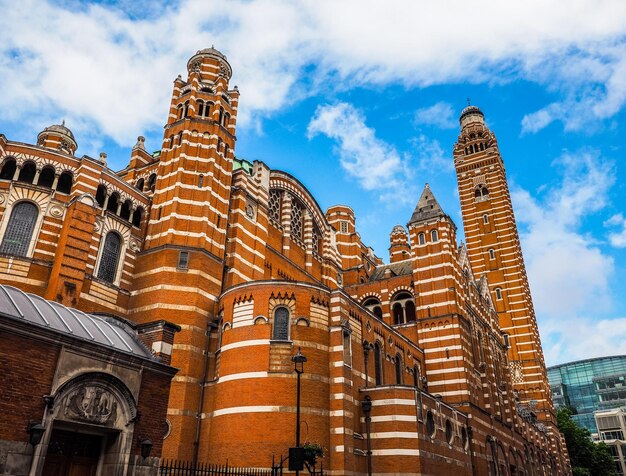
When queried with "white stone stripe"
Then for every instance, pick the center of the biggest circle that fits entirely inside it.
(242, 376)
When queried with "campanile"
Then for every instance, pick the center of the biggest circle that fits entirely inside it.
(494, 250)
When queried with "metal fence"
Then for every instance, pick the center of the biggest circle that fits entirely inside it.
(186, 468)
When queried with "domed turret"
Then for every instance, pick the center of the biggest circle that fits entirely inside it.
(213, 56)
(471, 114)
(399, 248)
(58, 137)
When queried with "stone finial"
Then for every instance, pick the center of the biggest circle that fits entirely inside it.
(140, 143)
(103, 157)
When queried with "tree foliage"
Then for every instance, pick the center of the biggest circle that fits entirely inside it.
(587, 458)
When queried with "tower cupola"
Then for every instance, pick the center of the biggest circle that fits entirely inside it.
(58, 137)
(470, 115)
(399, 248)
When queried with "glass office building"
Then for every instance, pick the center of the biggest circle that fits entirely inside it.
(589, 385)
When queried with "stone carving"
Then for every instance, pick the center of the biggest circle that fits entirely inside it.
(56, 211)
(91, 404)
(2, 199)
(134, 245)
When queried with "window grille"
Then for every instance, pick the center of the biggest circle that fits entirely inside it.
(183, 260)
(274, 205)
(110, 258)
(20, 229)
(317, 240)
(296, 219)
(343, 226)
(281, 324)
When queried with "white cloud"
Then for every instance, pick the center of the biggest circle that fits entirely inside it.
(617, 238)
(441, 115)
(112, 71)
(582, 337)
(569, 274)
(375, 164)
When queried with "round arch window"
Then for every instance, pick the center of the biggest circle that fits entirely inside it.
(430, 424)
(449, 434)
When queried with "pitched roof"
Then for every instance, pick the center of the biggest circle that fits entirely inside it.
(427, 207)
(397, 269)
(37, 311)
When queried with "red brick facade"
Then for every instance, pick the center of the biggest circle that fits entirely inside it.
(242, 258)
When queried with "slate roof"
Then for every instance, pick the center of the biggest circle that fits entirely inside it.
(427, 207)
(397, 269)
(37, 311)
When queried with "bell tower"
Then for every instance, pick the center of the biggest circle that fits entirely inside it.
(494, 250)
(179, 273)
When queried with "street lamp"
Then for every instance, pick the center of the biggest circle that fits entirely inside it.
(35, 432)
(366, 406)
(298, 365)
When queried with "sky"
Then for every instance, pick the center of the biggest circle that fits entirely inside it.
(360, 100)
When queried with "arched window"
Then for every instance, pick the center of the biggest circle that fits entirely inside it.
(492, 253)
(485, 219)
(19, 232)
(180, 138)
(65, 182)
(403, 308)
(27, 174)
(179, 112)
(481, 192)
(200, 108)
(399, 366)
(226, 119)
(430, 424)
(498, 293)
(226, 150)
(152, 182)
(207, 109)
(137, 217)
(101, 194)
(449, 433)
(378, 364)
(281, 323)
(139, 184)
(113, 202)
(421, 239)
(46, 177)
(8, 169)
(110, 257)
(373, 305)
(125, 211)
(416, 376)
(221, 117)
(186, 108)
(434, 236)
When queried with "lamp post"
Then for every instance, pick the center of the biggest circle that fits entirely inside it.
(366, 406)
(298, 364)
(35, 432)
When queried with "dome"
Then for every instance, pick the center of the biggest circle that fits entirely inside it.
(470, 110)
(60, 129)
(211, 51)
(398, 229)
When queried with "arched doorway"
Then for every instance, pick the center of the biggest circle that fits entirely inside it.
(89, 428)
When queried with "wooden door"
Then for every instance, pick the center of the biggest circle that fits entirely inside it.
(72, 454)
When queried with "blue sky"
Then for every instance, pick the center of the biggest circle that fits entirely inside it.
(360, 100)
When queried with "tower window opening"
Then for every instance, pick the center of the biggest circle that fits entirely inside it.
(179, 112)
(180, 138)
(399, 366)
(498, 294)
(8, 169)
(403, 308)
(434, 236)
(46, 177)
(112, 203)
(219, 144)
(139, 184)
(172, 141)
(343, 226)
(101, 194)
(186, 107)
(200, 180)
(125, 210)
(347, 348)
(226, 150)
(373, 305)
(466, 151)
(485, 219)
(482, 146)
(201, 108)
(220, 120)
(65, 182)
(421, 239)
(492, 254)
(138, 216)
(152, 182)
(207, 108)
(378, 364)
(183, 260)
(27, 174)
(226, 119)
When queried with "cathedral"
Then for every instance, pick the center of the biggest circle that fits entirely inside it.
(430, 364)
